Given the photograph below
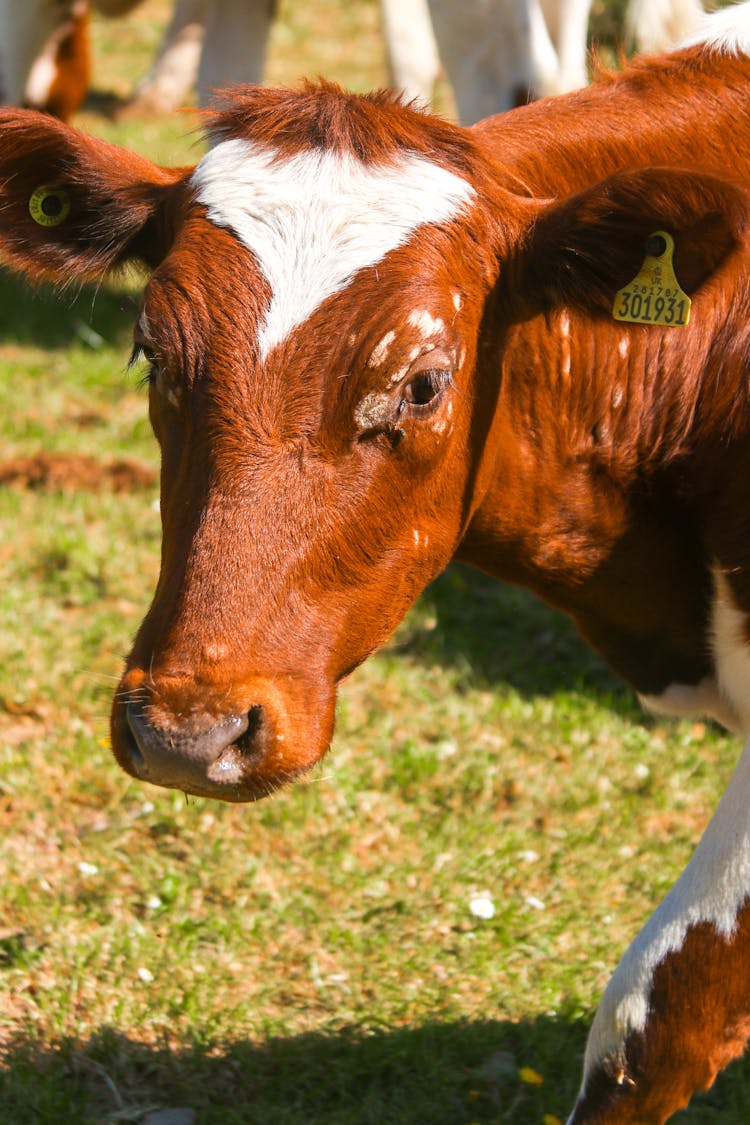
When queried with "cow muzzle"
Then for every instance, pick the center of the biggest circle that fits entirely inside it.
(241, 756)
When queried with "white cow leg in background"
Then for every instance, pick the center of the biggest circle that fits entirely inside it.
(234, 48)
(412, 51)
(568, 24)
(497, 56)
(173, 75)
(658, 25)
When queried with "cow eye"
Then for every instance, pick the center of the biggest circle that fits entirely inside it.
(424, 388)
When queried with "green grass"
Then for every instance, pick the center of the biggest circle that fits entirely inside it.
(312, 959)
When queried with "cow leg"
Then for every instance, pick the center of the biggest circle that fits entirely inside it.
(677, 1009)
(497, 56)
(44, 54)
(568, 24)
(234, 48)
(412, 50)
(173, 75)
(71, 51)
(657, 25)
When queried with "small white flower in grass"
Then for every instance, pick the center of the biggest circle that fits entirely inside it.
(145, 975)
(482, 906)
(88, 868)
(641, 771)
(153, 902)
(534, 902)
(446, 749)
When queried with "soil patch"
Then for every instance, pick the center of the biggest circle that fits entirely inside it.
(75, 472)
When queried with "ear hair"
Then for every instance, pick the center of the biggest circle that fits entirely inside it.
(582, 250)
(122, 206)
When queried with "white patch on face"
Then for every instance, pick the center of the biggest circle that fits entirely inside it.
(715, 883)
(726, 31)
(623, 347)
(380, 351)
(372, 410)
(425, 323)
(458, 301)
(314, 220)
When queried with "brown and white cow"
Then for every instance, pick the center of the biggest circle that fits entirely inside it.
(378, 341)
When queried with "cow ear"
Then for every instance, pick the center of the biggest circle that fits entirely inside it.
(73, 206)
(583, 249)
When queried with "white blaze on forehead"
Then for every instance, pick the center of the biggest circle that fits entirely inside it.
(315, 219)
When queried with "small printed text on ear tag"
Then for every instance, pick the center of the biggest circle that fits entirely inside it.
(654, 295)
(49, 205)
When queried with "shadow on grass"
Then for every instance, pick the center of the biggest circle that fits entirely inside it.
(492, 633)
(47, 317)
(441, 1074)
(438, 1074)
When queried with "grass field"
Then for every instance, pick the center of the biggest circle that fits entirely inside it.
(313, 960)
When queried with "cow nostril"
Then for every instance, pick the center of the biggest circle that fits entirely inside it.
(234, 759)
(222, 756)
(127, 739)
(249, 741)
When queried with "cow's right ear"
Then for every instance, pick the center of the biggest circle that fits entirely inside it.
(581, 250)
(75, 207)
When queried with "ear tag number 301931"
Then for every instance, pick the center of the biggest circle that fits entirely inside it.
(654, 296)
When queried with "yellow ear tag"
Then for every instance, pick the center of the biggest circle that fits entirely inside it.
(49, 206)
(654, 295)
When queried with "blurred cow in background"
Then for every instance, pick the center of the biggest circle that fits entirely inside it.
(496, 53)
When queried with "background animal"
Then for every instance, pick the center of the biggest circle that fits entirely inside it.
(496, 55)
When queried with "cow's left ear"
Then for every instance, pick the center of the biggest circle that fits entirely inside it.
(73, 206)
(581, 250)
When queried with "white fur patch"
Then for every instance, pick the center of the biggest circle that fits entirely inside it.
(379, 353)
(314, 220)
(425, 323)
(702, 700)
(726, 31)
(715, 883)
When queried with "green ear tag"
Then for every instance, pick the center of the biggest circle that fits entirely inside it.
(49, 205)
(654, 295)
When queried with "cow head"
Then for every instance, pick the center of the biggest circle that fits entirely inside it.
(321, 331)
